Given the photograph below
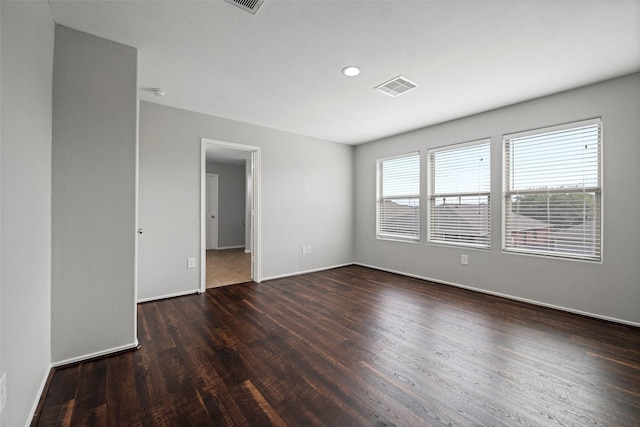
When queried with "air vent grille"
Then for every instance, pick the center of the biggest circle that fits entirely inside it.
(250, 6)
(396, 86)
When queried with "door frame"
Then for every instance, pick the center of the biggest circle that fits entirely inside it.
(256, 229)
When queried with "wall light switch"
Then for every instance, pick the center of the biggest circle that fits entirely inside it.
(304, 250)
(309, 249)
(464, 259)
(191, 263)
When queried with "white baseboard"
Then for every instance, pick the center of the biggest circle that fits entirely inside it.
(222, 248)
(177, 294)
(507, 296)
(298, 273)
(34, 407)
(94, 355)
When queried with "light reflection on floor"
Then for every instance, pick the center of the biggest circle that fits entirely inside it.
(509, 361)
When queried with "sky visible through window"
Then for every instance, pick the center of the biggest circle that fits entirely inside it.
(404, 169)
(536, 163)
(564, 159)
(462, 170)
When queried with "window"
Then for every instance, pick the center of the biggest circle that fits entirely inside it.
(459, 194)
(552, 191)
(398, 197)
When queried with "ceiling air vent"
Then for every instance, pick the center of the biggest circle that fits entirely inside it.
(250, 6)
(396, 86)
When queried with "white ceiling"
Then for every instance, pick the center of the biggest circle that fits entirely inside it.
(281, 67)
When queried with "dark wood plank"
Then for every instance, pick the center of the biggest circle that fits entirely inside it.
(355, 346)
(60, 399)
(90, 406)
(121, 392)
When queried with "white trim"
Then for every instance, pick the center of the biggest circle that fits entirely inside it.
(544, 255)
(507, 296)
(203, 214)
(431, 195)
(456, 145)
(380, 198)
(256, 227)
(507, 192)
(34, 407)
(136, 238)
(553, 128)
(315, 270)
(222, 248)
(399, 156)
(256, 253)
(177, 294)
(397, 239)
(96, 354)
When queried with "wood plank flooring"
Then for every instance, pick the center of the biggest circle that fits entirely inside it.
(227, 267)
(356, 347)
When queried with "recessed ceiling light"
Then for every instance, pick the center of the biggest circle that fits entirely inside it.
(351, 71)
(158, 92)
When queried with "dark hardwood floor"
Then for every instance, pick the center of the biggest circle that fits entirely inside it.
(355, 346)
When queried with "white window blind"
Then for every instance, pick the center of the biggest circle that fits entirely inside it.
(459, 194)
(398, 198)
(552, 197)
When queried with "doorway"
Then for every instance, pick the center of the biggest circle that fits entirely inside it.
(249, 252)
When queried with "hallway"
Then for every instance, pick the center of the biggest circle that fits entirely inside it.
(227, 267)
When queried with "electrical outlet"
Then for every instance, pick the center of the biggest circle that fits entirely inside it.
(191, 263)
(464, 259)
(3, 391)
(309, 249)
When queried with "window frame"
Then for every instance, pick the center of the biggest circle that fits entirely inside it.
(597, 190)
(432, 196)
(379, 198)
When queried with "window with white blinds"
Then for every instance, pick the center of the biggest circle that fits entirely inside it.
(552, 191)
(459, 194)
(398, 197)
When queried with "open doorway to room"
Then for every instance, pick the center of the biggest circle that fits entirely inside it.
(230, 208)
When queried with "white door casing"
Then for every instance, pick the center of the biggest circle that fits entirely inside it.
(255, 209)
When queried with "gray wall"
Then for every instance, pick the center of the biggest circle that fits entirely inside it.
(94, 199)
(2, 370)
(231, 202)
(610, 289)
(307, 198)
(25, 265)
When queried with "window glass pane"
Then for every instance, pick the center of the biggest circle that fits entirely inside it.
(400, 217)
(460, 186)
(462, 170)
(401, 176)
(561, 159)
(399, 197)
(561, 224)
(460, 220)
(553, 197)
(559, 209)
